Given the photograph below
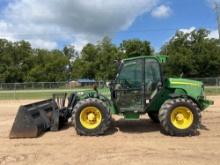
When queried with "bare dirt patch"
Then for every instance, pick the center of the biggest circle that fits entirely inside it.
(129, 142)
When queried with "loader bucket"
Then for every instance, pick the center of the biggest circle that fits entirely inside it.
(34, 119)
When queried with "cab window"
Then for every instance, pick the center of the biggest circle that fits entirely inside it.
(131, 74)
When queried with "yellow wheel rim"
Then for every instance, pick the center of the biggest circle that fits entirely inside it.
(90, 117)
(182, 117)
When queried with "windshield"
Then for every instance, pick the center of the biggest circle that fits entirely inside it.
(131, 74)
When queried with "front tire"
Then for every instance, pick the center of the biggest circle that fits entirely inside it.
(180, 117)
(91, 117)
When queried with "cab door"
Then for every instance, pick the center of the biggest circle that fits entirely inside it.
(129, 87)
(152, 77)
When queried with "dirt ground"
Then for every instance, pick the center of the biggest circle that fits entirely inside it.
(130, 142)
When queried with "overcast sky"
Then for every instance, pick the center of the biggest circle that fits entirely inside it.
(54, 23)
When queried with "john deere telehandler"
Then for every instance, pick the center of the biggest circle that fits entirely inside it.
(138, 89)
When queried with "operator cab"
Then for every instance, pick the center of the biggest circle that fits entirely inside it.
(137, 80)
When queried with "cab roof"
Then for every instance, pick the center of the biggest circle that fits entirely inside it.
(159, 58)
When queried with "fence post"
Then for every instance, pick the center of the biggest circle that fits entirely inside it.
(14, 91)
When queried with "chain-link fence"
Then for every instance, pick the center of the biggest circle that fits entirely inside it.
(50, 85)
(46, 89)
(210, 82)
(33, 86)
(38, 90)
(212, 85)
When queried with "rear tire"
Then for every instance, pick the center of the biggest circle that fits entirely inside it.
(91, 117)
(154, 117)
(180, 117)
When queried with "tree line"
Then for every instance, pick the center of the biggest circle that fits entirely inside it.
(191, 54)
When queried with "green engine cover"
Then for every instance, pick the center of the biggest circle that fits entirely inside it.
(180, 87)
(192, 88)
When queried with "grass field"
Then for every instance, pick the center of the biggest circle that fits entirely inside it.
(41, 94)
(212, 91)
(46, 94)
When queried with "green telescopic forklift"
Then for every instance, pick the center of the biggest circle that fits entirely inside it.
(139, 88)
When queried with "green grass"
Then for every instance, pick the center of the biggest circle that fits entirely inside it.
(40, 94)
(212, 91)
(46, 94)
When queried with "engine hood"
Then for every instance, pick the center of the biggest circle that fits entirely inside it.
(179, 82)
(192, 88)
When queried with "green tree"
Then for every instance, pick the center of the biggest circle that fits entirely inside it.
(49, 66)
(5, 46)
(72, 55)
(105, 61)
(192, 54)
(70, 52)
(15, 60)
(85, 66)
(135, 47)
(97, 61)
